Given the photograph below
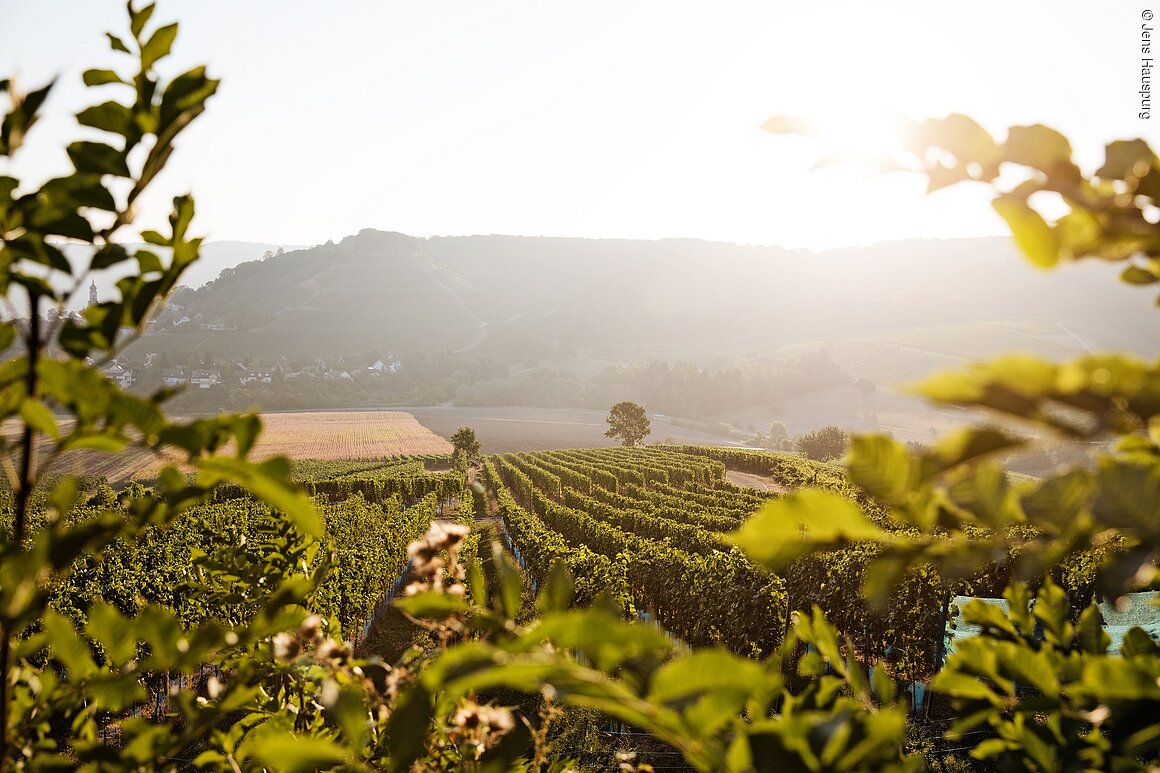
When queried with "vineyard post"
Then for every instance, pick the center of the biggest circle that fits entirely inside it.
(866, 643)
(940, 650)
(785, 629)
(23, 490)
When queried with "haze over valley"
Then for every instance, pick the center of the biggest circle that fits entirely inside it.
(713, 333)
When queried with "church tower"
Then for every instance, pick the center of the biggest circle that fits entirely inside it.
(93, 293)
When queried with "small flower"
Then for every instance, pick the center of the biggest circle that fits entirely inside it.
(311, 628)
(286, 646)
(500, 719)
(422, 550)
(336, 652)
(480, 726)
(454, 533)
(395, 679)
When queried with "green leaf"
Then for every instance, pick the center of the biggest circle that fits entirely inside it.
(108, 444)
(1090, 633)
(246, 427)
(1058, 501)
(187, 92)
(511, 584)
(993, 747)
(1136, 275)
(138, 18)
(477, 581)
(959, 134)
(116, 44)
(100, 77)
(966, 445)
(1042, 148)
(705, 670)
(1126, 158)
(113, 631)
(67, 647)
(109, 254)
(109, 117)
(20, 119)
(884, 687)
(37, 415)
(1120, 678)
(601, 636)
(961, 685)
(98, 158)
(803, 522)
(1138, 643)
(408, 726)
(1031, 232)
(431, 605)
(351, 714)
(78, 190)
(287, 752)
(150, 263)
(558, 589)
(882, 467)
(709, 687)
(158, 45)
(1128, 495)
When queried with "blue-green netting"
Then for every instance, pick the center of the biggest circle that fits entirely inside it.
(956, 629)
(1135, 610)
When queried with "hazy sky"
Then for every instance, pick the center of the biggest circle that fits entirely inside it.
(598, 119)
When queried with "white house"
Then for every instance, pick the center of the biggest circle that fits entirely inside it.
(204, 379)
(172, 377)
(119, 374)
(392, 364)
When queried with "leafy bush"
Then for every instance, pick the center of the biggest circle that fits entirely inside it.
(823, 445)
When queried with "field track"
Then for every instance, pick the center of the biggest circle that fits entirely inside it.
(759, 482)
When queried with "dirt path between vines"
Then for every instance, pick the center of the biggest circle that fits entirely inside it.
(759, 482)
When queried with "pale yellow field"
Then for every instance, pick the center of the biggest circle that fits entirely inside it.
(346, 435)
(301, 435)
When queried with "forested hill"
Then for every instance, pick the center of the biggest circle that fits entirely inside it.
(519, 298)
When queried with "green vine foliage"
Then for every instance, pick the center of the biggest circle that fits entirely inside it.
(105, 595)
(1039, 680)
(1056, 700)
(290, 695)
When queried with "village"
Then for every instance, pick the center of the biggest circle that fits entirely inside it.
(203, 375)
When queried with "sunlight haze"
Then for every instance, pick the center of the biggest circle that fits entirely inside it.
(636, 120)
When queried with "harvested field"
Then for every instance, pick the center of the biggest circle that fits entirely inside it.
(300, 435)
(346, 435)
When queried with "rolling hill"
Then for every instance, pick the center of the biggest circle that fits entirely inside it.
(522, 299)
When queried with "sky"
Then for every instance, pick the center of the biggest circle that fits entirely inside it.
(596, 119)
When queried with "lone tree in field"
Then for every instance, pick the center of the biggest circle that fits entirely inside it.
(628, 423)
(823, 445)
(778, 439)
(464, 440)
